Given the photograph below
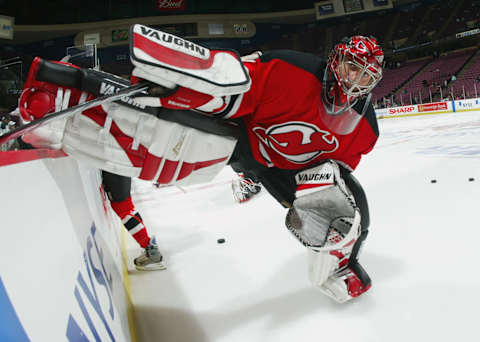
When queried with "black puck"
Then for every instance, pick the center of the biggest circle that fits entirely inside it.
(471, 179)
(220, 240)
(433, 181)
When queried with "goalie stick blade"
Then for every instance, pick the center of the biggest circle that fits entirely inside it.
(126, 92)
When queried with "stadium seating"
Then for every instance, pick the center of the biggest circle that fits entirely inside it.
(468, 82)
(393, 78)
(436, 73)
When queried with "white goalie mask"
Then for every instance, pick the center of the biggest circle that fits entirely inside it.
(353, 69)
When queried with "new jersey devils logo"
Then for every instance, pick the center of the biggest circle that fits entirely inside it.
(298, 142)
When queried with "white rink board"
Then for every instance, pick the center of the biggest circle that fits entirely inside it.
(466, 105)
(430, 108)
(420, 109)
(61, 275)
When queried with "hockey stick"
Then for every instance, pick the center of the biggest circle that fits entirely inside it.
(128, 91)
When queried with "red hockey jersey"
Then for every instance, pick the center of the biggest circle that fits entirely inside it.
(282, 112)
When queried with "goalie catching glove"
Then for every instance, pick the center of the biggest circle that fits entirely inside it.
(325, 219)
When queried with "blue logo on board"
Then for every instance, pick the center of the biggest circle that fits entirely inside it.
(98, 280)
(11, 328)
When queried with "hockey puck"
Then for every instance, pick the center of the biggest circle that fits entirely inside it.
(220, 240)
(471, 179)
(433, 181)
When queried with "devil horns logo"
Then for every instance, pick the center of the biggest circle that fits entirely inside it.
(298, 142)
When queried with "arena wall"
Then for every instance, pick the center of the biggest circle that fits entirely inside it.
(62, 272)
(429, 108)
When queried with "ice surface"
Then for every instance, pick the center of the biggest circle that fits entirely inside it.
(422, 251)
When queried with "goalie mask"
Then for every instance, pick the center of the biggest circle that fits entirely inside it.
(353, 69)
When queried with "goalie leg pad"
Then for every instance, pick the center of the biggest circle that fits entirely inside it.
(325, 218)
(321, 265)
(140, 145)
(116, 137)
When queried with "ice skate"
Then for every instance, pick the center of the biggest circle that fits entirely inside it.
(151, 258)
(244, 189)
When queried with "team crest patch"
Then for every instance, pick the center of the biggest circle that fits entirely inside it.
(298, 142)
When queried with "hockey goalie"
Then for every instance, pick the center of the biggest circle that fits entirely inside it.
(299, 125)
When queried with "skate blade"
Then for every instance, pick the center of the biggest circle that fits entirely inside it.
(151, 267)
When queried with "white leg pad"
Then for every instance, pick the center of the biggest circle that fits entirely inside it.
(336, 288)
(321, 265)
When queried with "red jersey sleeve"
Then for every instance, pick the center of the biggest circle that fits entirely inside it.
(250, 98)
(247, 102)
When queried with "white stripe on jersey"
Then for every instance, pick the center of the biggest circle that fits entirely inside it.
(233, 111)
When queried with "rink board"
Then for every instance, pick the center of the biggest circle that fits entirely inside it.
(61, 271)
(429, 108)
